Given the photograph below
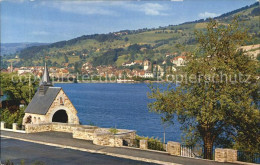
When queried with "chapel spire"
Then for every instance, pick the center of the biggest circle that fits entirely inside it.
(46, 78)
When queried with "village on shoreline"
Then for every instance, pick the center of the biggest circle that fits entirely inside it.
(130, 72)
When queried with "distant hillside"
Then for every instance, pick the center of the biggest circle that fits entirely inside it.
(11, 48)
(128, 45)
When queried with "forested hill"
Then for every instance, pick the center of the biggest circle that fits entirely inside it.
(128, 45)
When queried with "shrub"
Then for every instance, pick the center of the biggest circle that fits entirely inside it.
(113, 130)
(153, 143)
(9, 118)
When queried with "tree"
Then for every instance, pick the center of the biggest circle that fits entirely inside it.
(66, 58)
(49, 63)
(77, 67)
(132, 56)
(212, 107)
(18, 88)
(12, 117)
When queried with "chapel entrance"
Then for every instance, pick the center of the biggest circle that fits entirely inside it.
(60, 116)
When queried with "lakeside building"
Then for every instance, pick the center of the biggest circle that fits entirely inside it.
(146, 65)
(50, 104)
(148, 75)
(23, 70)
(128, 63)
(179, 61)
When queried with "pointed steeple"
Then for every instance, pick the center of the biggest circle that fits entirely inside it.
(45, 82)
(46, 78)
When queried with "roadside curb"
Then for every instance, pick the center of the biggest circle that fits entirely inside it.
(94, 151)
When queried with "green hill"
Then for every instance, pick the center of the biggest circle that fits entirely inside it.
(128, 45)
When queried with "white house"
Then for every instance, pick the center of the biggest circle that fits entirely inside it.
(24, 70)
(148, 75)
(146, 64)
(179, 61)
(128, 64)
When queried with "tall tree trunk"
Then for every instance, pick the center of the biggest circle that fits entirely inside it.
(208, 146)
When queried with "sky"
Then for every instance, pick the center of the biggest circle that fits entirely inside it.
(48, 21)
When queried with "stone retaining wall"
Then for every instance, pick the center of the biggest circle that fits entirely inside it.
(85, 134)
(103, 136)
(99, 136)
(59, 127)
(225, 155)
(63, 128)
(173, 148)
(103, 139)
(33, 128)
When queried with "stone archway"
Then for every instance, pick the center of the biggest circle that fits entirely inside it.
(60, 116)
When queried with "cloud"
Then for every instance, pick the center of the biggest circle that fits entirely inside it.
(208, 14)
(153, 9)
(40, 33)
(111, 8)
(81, 7)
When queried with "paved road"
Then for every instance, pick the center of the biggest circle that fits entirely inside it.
(66, 139)
(16, 151)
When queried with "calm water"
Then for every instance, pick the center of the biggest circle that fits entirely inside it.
(120, 106)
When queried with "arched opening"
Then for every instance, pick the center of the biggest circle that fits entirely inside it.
(60, 116)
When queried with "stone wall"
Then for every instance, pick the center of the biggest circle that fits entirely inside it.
(118, 142)
(225, 155)
(33, 128)
(143, 144)
(174, 148)
(99, 136)
(83, 133)
(59, 127)
(231, 155)
(128, 136)
(103, 136)
(103, 139)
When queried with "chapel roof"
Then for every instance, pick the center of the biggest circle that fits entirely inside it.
(40, 104)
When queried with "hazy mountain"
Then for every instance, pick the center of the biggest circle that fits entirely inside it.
(11, 48)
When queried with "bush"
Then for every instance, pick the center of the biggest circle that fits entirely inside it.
(153, 143)
(113, 130)
(10, 118)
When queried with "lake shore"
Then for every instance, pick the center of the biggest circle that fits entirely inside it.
(109, 82)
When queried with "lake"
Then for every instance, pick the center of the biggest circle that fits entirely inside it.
(118, 105)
